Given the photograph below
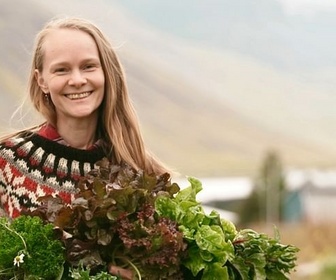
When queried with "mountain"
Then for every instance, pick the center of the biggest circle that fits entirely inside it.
(259, 28)
(206, 107)
(287, 63)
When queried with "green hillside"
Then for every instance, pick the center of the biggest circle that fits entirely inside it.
(204, 111)
(204, 133)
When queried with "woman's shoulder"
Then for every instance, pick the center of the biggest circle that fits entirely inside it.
(14, 144)
(15, 138)
(28, 143)
(38, 156)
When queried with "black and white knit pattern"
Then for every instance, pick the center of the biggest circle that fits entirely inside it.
(34, 166)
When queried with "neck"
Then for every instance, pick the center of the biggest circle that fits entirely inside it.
(78, 134)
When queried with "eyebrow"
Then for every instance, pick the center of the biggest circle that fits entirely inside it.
(90, 60)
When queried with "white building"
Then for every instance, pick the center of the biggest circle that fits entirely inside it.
(316, 192)
(311, 194)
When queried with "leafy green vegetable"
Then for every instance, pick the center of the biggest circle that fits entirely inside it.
(208, 248)
(112, 224)
(80, 273)
(216, 250)
(125, 224)
(43, 253)
(261, 257)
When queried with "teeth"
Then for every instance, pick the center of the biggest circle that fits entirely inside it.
(78, 95)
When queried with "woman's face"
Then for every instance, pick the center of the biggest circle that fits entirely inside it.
(72, 74)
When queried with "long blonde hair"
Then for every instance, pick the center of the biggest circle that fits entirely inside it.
(118, 123)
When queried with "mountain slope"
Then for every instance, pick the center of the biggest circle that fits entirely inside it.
(258, 28)
(204, 132)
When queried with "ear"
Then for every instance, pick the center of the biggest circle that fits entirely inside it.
(40, 81)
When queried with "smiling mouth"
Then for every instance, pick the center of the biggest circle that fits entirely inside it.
(74, 96)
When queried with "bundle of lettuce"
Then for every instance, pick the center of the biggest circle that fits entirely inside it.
(124, 224)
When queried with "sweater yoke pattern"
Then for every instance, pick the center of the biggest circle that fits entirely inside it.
(33, 166)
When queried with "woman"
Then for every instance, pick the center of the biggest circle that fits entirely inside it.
(78, 85)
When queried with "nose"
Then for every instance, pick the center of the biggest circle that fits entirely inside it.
(77, 79)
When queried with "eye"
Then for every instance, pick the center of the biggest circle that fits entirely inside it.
(89, 67)
(60, 70)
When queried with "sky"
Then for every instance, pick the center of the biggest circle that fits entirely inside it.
(308, 7)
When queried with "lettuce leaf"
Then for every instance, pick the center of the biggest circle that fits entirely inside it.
(216, 250)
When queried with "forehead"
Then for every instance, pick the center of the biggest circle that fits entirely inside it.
(65, 40)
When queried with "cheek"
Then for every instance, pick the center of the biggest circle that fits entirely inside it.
(56, 85)
(101, 80)
(101, 98)
(101, 84)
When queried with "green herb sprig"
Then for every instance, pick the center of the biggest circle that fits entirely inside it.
(42, 254)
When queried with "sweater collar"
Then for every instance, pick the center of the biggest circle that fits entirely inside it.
(50, 132)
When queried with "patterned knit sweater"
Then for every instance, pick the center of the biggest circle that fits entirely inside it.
(34, 166)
